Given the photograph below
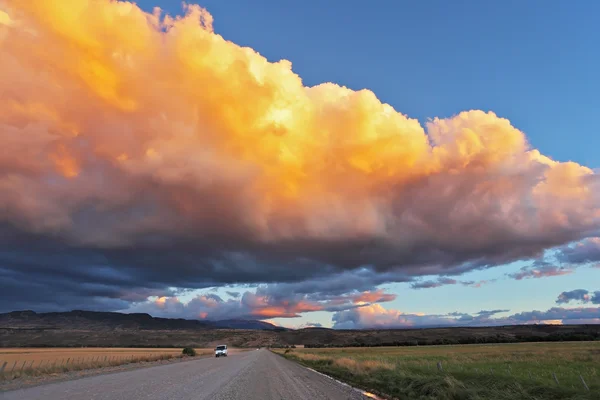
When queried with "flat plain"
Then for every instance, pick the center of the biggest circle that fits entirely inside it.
(22, 362)
(491, 371)
(250, 375)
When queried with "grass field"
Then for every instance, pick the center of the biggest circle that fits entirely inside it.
(502, 371)
(17, 362)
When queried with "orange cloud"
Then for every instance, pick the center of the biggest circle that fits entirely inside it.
(285, 310)
(183, 133)
(552, 322)
(374, 297)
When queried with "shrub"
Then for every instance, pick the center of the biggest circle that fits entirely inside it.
(188, 351)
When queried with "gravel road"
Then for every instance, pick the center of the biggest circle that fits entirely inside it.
(252, 375)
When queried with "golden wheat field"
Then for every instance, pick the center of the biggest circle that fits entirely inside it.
(18, 362)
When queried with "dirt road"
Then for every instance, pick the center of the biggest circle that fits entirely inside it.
(253, 375)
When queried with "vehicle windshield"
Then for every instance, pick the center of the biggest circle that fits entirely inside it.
(221, 347)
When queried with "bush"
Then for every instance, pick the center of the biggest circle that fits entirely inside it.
(188, 351)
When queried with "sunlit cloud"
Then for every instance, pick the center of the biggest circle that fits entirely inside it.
(376, 316)
(149, 145)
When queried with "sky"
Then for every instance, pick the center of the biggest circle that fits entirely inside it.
(403, 164)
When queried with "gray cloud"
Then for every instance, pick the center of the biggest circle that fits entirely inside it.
(443, 281)
(376, 316)
(577, 295)
(313, 325)
(580, 295)
(266, 301)
(540, 269)
(433, 284)
(586, 251)
(235, 295)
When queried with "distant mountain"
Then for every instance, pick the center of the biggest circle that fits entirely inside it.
(246, 324)
(85, 320)
(107, 329)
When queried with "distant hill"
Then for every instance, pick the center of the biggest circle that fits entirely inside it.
(78, 319)
(246, 324)
(107, 329)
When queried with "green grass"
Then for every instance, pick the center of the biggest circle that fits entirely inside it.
(501, 371)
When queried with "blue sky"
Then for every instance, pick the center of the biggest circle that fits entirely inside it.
(151, 235)
(531, 62)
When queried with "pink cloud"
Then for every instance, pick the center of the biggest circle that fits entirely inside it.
(376, 316)
(541, 272)
(257, 305)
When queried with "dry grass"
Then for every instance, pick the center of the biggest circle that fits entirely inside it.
(36, 362)
(497, 371)
(362, 366)
(311, 357)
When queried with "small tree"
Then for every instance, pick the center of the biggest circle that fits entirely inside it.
(189, 351)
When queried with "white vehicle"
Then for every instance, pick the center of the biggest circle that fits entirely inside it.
(221, 351)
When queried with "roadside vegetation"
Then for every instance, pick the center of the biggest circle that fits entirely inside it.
(503, 371)
(189, 351)
(20, 363)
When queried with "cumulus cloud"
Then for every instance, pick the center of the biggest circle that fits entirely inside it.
(585, 251)
(581, 295)
(144, 151)
(266, 302)
(376, 316)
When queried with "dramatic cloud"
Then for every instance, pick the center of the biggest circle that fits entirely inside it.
(376, 316)
(267, 301)
(142, 153)
(580, 295)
